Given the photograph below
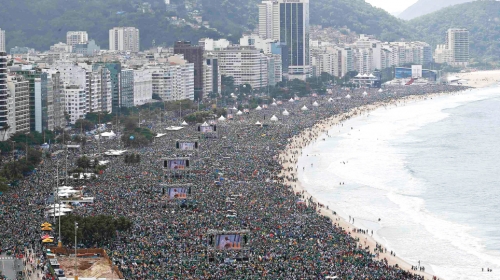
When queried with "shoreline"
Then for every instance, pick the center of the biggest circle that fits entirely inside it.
(293, 151)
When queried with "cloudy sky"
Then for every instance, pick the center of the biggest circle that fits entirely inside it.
(392, 6)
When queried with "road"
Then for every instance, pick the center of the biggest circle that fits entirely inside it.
(10, 265)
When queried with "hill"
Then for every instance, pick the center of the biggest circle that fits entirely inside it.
(481, 18)
(424, 7)
(235, 16)
(42, 23)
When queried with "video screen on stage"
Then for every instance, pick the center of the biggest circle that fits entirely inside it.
(228, 242)
(176, 164)
(206, 128)
(174, 193)
(187, 146)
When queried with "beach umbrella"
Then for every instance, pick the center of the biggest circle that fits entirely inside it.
(274, 118)
(315, 104)
(285, 113)
(304, 108)
(258, 108)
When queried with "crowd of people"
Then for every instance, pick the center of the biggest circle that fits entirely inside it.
(238, 185)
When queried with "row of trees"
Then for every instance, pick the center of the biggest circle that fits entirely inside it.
(94, 230)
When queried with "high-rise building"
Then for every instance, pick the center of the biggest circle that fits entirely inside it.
(289, 25)
(174, 81)
(76, 37)
(4, 93)
(2, 40)
(246, 65)
(211, 78)
(127, 88)
(115, 69)
(266, 20)
(19, 94)
(143, 86)
(457, 41)
(193, 54)
(124, 39)
(76, 102)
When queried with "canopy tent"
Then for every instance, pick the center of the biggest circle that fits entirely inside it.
(315, 104)
(304, 108)
(222, 118)
(62, 210)
(330, 100)
(274, 118)
(274, 104)
(239, 113)
(258, 123)
(184, 123)
(365, 93)
(160, 135)
(285, 113)
(174, 128)
(258, 108)
(348, 96)
(56, 214)
(291, 100)
(380, 90)
(234, 108)
(106, 135)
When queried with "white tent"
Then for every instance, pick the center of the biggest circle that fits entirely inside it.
(348, 96)
(274, 104)
(315, 104)
(258, 123)
(274, 118)
(160, 135)
(285, 113)
(174, 128)
(365, 93)
(258, 108)
(222, 118)
(239, 113)
(234, 108)
(57, 214)
(184, 123)
(330, 100)
(291, 100)
(62, 210)
(380, 90)
(304, 108)
(106, 135)
(205, 124)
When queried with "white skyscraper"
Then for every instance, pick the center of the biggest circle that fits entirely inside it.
(457, 41)
(76, 37)
(2, 40)
(266, 20)
(124, 39)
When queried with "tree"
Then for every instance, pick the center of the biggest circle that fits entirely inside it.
(83, 162)
(84, 125)
(4, 187)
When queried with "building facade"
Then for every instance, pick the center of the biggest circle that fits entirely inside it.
(76, 37)
(19, 93)
(127, 88)
(2, 40)
(4, 94)
(194, 55)
(124, 39)
(143, 86)
(457, 41)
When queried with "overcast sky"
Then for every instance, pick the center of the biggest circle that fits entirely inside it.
(392, 6)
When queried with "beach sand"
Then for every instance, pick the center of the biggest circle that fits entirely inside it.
(293, 151)
(480, 79)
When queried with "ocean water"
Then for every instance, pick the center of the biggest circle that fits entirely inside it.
(429, 170)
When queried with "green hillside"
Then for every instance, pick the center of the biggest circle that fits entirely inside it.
(42, 23)
(481, 18)
(235, 16)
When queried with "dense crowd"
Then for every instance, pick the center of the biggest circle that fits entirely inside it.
(286, 239)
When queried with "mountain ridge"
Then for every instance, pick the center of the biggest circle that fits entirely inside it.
(424, 7)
